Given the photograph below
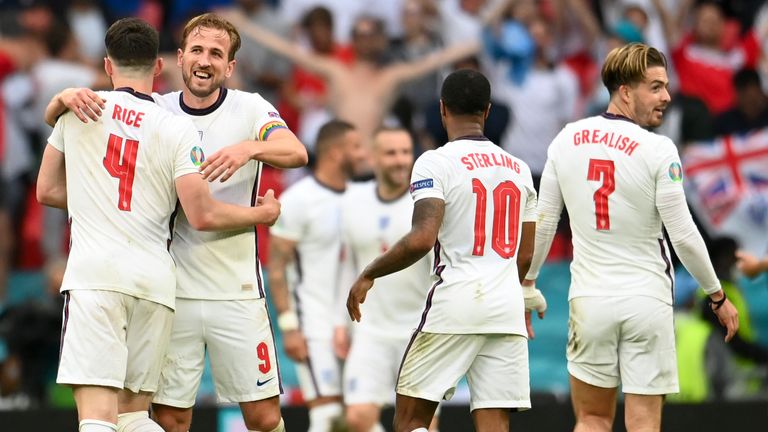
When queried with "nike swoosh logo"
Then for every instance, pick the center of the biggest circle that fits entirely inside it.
(260, 383)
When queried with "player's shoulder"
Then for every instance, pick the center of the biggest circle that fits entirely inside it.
(251, 100)
(359, 192)
(169, 101)
(301, 189)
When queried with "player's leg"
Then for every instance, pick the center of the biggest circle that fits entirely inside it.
(244, 360)
(93, 355)
(498, 381)
(182, 368)
(594, 407)
(320, 382)
(594, 327)
(642, 413)
(370, 374)
(648, 361)
(431, 368)
(148, 334)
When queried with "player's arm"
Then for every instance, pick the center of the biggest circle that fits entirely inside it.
(550, 206)
(83, 102)
(208, 214)
(281, 149)
(281, 254)
(52, 179)
(425, 225)
(689, 245)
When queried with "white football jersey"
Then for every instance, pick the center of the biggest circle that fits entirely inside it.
(609, 171)
(311, 216)
(121, 192)
(488, 194)
(369, 227)
(223, 265)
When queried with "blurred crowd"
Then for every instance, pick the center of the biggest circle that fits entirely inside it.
(376, 62)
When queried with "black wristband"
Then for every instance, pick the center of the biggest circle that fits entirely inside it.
(717, 304)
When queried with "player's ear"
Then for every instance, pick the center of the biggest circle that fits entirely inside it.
(442, 108)
(487, 112)
(230, 68)
(179, 54)
(108, 66)
(158, 66)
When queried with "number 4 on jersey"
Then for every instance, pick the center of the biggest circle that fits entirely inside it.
(601, 169)
(122, 168)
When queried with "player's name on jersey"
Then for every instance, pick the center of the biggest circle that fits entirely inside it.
(483, 160)
(127, 116)
(609, 139)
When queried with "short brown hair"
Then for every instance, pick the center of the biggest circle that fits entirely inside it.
(131, 42)
(329, 134)
(627, 65)
(213, 21)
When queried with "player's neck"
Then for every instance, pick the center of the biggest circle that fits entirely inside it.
(139, 85)
(196, 102)
(388, 193)
(330, 176)
(463, 129)
(617, 109)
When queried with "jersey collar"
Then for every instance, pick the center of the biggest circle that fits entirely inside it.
(611, 116)
(134, 93)
(203, 111)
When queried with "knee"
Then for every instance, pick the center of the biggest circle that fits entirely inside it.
(172, 420)
(592, 422)
(359, 420)
(266, 420)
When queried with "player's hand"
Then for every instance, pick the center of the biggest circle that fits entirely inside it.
(748, 264)
(226, 161)
(728, 317)
(534, 300)
(341, 342)
(295, 345)
(357, 296)
(84, 102)
(270, 205)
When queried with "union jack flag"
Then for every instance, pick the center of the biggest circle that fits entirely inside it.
(727, 182)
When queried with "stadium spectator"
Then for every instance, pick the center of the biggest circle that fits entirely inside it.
(374, 215)
(707, 56)
(305, 252)
(363, 92)
(751, 109)
(111, 307)
(634, 178)
(474, 324)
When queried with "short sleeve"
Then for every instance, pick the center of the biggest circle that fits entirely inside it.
(290, 224)
(529, 212)
(57, 136)
(189, 153)
(268, 119)
(428, 178)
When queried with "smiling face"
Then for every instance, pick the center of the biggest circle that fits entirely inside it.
(393, 158)
(204, 60)
(648, 99)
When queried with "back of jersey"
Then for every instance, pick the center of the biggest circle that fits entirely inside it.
(121, 194)
(607, 169)
(488, 194)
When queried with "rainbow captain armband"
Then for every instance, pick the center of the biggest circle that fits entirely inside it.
(269, 128)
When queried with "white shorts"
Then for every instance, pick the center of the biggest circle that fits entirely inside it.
(320, 374)
(370, 370)
(112, 339)
(496, 366)
(627, 340)
(238, 337)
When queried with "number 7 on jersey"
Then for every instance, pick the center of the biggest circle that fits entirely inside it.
(601, 169)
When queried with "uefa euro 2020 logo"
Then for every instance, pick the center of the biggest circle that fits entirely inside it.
(197, 156)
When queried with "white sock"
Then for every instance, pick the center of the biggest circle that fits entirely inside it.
(279, 428)
(137, 421)
(321, 417)
(378, 428)
(89, 425)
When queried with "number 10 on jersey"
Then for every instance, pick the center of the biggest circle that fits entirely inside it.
(506, 217)
(122, 168)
